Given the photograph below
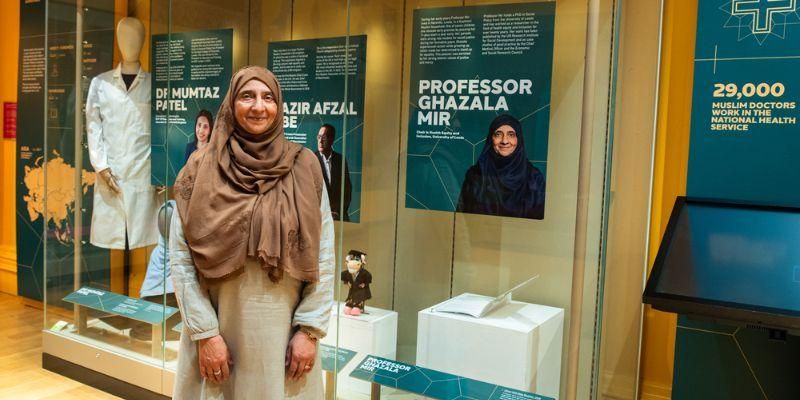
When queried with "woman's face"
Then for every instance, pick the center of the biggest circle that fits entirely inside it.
(255, 108)
(202, 129)
(504, 140)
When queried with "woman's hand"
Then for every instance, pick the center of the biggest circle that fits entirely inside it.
(215, 359)
(300, 355)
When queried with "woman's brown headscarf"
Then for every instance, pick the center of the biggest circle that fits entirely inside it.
(251, 195)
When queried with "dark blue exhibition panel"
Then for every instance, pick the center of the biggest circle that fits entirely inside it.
(740, 267)
(46, 152)
(733, 273)
(739, 263)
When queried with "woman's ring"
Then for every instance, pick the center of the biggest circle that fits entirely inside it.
(308, 367)
(217, 372)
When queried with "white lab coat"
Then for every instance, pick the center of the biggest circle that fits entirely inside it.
(118, 130)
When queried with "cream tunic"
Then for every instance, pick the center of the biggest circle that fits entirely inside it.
(255, 317)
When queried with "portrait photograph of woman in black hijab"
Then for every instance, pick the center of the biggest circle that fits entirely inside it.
(503, 182)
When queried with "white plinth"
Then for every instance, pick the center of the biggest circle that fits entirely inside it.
(372, 333)
(518, 345)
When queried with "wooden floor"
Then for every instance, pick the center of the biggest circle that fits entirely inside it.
(21, 373)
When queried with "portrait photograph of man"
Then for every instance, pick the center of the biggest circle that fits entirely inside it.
(333, 164)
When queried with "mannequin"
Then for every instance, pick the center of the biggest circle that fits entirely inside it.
(130, 38)
(118, 131)
(157, 285)
(157, 280)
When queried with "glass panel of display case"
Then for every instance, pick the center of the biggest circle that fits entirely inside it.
(465, 186)
(105, 275)
(470, 166)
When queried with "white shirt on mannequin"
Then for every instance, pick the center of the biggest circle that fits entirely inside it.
(118, 131)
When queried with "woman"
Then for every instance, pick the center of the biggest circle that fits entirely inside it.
(251, 251)
(203, 123)
(503, 181)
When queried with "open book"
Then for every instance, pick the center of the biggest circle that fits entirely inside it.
(476, 305)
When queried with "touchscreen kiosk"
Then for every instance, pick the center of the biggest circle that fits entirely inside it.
(730, 263)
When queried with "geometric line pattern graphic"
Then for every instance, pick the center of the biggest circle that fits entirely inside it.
(310, 93)
(761, 12)
(738, 346)
(454, 100)
(193, 78)
(138, 309)
(353, 135)
(335, 358)
(475, 150)
(716, 361)
(760, 19)
(431, 383)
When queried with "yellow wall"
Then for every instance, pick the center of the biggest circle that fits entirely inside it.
(9, 45)
(669, 180)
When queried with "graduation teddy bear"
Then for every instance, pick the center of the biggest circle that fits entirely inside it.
(357, 278)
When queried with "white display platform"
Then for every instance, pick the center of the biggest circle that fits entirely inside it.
(373, 333)
(518, 345)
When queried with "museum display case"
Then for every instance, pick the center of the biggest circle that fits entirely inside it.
(465, 148)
